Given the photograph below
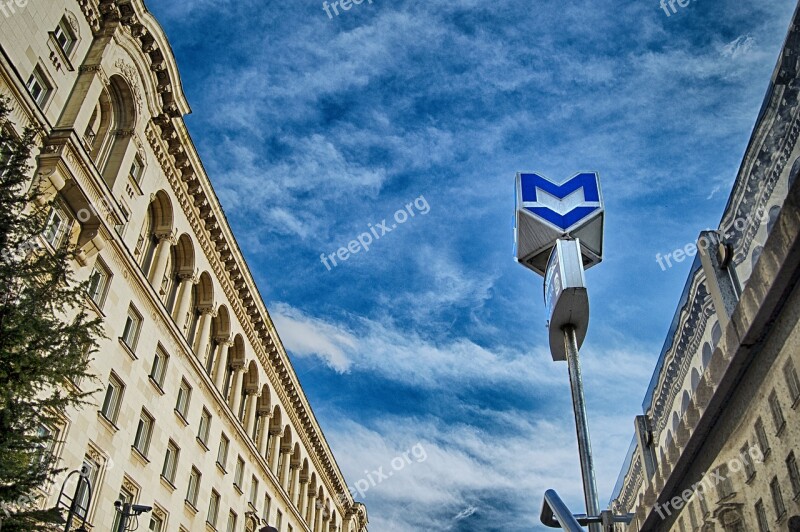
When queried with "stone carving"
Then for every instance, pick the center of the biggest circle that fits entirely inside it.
(131, 75)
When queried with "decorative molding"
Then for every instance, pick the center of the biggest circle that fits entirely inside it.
(131, 75)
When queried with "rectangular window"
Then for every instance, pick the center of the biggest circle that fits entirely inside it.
(156, 524)
(90, 469)
(98, 283)
(170, 462)
(777, 497)
(278, 520)
(703, 508)
(749, 468)
(231, 521)
(213, 509)
(761, 517)
(159, 368)
(194, 487)
(144, 431)
(64, 37)
(724, 488)
(56, 228)
(253, 491)
(237, 476)
(124, 496)
(133, 323)
(777, 413)
(205, 426)
(222, 452)
(184, 396)
(113, 399)
(38, 86)
(794, 474)
(46, 442)
(267, 507)
(790, 373)
(692, 517)
(761, 435)
(137, 168)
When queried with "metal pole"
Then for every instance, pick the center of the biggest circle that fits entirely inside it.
(123, 518)
(581, 426)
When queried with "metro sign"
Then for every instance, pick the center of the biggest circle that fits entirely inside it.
(547, 210)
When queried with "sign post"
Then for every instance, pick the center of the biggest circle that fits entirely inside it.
(559, 233)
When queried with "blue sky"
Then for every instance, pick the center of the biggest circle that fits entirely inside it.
(312, 128)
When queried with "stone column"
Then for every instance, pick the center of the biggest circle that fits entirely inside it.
(294, 475)
(317, 516)
(236, 387)
(324, 518)
(165, 242)
(179, 314)
(250, 415)
(204, 332)
(302, 494)
(275, 442)
(311, 508)
(221, 361)
(263, 434)
(287, 464)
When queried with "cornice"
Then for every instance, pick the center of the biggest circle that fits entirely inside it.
(685, 344)
(768, 153)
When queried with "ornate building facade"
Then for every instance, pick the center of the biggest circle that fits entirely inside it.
(718, 443)
(201, 415)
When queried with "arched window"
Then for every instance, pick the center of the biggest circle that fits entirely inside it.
(695, 379)
(754, 257)
(157, 224)
(178, 277)
(110, 129)
(220, 332)
(774, 211)
(793, 172)
(716, 334)
(200, 327)
(706, 354)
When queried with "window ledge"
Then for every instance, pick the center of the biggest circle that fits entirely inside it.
(222, 468)
(94, 306)
(202, 444)
(60, 51)
(781, 428)
(189, 506)
(110, 425)
(128, 349)
(140, 455)
(137, 188)
(156, 385)
(167, 483)
(237, 488)
(181, 417)
(796, 402)
(210, 527)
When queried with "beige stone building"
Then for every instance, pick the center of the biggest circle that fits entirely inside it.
(201, 415)
(718, 443)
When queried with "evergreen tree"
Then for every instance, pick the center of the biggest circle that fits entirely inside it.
(46, 337)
